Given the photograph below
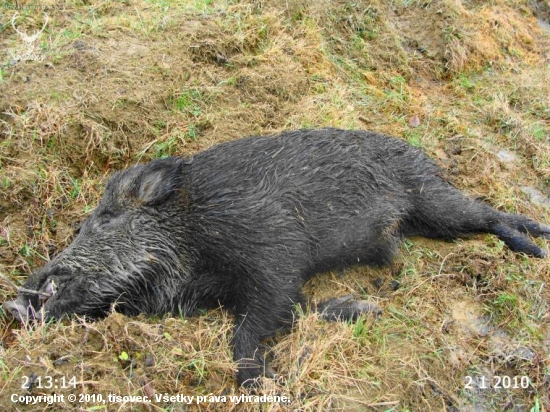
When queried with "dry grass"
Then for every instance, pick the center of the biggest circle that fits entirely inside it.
(114, 83)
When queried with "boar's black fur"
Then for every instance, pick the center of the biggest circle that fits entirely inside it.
(246, 223)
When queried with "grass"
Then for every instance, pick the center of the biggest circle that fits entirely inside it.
(125, 82)
(188, 100)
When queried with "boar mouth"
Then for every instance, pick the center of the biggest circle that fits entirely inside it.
(24, 311)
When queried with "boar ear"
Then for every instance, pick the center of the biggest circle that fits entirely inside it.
(157, 182)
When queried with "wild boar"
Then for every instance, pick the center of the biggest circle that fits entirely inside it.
(244, 224)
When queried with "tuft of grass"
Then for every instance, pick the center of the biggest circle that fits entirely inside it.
(167, 147)
(188, 101)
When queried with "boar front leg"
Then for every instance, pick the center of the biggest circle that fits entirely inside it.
(246, 353)
(260, 314)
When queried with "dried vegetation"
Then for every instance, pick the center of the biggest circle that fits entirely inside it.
(108, 84)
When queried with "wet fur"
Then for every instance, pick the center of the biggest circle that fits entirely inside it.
(246, 223)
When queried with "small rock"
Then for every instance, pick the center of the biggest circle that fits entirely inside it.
(536, 196)
(545, 26)
(506, 156)
(414, 121)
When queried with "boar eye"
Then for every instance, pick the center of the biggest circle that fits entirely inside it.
(136, 224)
(103, 218)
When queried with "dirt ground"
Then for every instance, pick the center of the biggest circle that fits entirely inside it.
(91, 87)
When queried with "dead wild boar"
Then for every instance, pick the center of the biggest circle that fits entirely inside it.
(245, 223)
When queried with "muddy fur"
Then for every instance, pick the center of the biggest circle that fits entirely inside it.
(246, 223)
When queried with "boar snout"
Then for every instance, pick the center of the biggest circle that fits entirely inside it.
(18, 310)
(28, 305)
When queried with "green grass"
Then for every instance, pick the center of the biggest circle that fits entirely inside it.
(189, 101)
(414, 137)
(167, 147)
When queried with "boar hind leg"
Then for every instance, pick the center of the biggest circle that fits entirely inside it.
(512, 230)
(346, 308)
(524, 224)
(445, 213)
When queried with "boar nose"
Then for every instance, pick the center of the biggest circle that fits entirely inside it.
(18, 310)
(23, 310)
